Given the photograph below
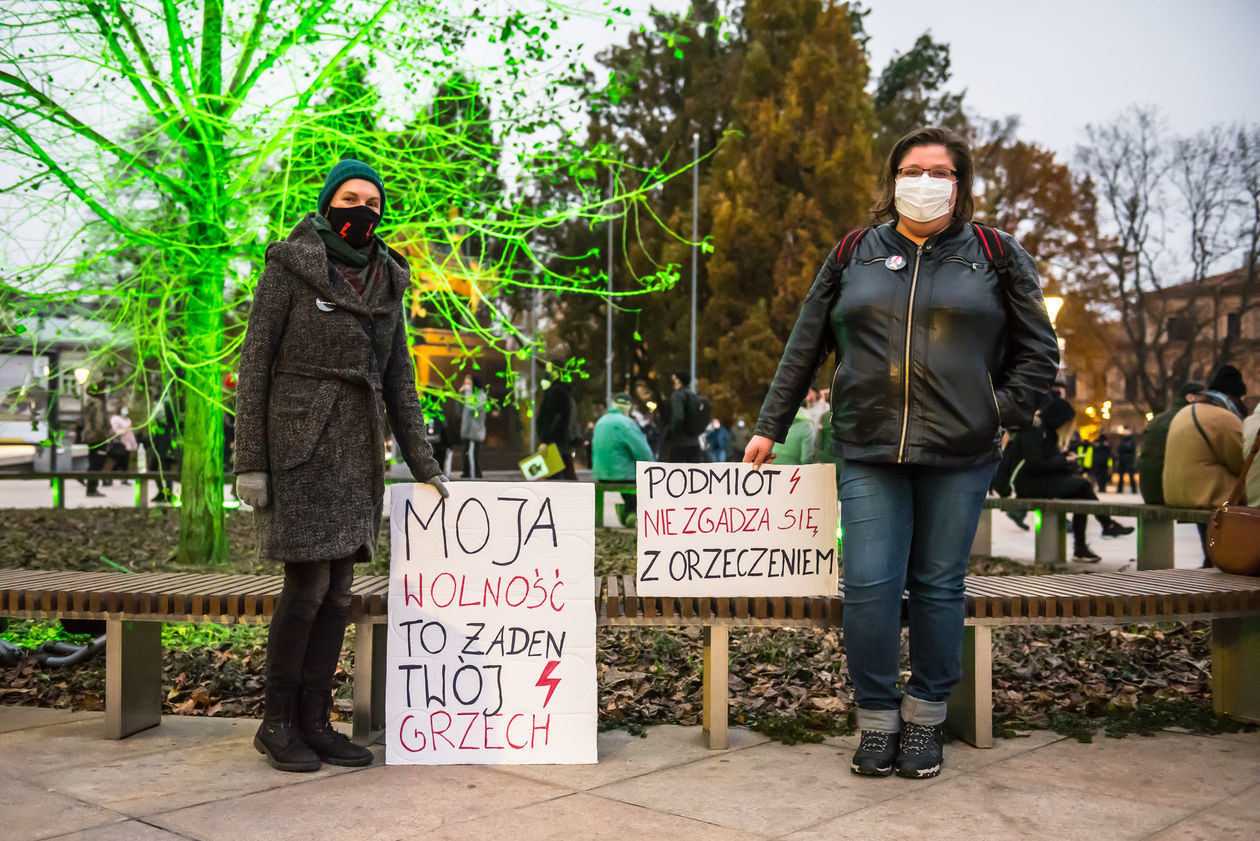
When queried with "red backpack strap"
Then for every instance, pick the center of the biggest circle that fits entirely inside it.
(844, 253)
(996, 253)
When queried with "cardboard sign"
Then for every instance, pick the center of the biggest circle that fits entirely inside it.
(491, 653)
(725, 529)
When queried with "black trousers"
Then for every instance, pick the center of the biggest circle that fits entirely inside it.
(1064, 486)
(309, 625)
(98, 454)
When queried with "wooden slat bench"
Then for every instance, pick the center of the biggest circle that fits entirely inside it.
(1154, 526)
(135, 606)
(1231, 602)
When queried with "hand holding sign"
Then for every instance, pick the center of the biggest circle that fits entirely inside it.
(760, 450)
(736, 530)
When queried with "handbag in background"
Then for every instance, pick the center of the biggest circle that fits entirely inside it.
(1233, 533)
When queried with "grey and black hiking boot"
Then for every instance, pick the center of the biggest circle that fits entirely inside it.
(874, 756)
(920, 754)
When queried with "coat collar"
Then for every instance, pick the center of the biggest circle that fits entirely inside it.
(305, 256)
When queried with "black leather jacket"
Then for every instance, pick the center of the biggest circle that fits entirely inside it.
(932, 360)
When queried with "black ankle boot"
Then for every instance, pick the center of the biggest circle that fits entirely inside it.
(278, 737)
(332, 747)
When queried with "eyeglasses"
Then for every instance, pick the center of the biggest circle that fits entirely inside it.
(935, 172)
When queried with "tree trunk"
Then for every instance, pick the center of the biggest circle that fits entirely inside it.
(202, 538)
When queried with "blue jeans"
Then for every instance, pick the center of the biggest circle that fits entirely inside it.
(906, 527)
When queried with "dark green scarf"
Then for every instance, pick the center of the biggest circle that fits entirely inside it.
(362, 262)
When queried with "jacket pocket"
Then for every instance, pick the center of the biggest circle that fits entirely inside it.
(298, 432)
(997, 410)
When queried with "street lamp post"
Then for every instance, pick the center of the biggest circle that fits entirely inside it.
(695, 226)
(608, 351)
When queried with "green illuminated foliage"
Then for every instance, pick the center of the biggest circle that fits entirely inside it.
(170, 140)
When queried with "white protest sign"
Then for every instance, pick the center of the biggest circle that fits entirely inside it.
(491, 653)
(725, 529)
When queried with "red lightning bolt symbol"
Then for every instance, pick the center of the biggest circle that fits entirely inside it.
(796, 477)
(550, 682)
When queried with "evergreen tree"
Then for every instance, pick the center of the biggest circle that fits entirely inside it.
(775, 89)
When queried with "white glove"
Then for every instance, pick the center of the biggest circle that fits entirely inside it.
(439, 481)
(251, 488)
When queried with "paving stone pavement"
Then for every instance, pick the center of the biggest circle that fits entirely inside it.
(199, 778)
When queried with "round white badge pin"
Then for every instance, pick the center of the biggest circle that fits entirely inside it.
(895, 262)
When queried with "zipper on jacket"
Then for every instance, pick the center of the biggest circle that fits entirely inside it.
(905, 368)
(954, 258)
(993, 393)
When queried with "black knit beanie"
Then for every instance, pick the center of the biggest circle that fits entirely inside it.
(1055, 412)
(1228, 380)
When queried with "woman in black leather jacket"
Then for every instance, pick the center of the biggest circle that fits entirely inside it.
(935, 355)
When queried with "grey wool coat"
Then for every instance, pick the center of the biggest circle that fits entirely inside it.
(308, 401)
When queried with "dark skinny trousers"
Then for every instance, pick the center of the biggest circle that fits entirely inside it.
(304, 640)
(1063, 486)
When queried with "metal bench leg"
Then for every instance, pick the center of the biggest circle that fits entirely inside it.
(1051, 538)
(982, 543)
(1155, 543)
(599, 507)
(716, 666)
(133, 677)
(970, 714)
(369, 681)
(1236, 667)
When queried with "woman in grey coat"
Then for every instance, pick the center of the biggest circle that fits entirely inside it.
(472, 424)
(324, 353)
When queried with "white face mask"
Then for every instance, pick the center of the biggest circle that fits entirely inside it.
(923, 199)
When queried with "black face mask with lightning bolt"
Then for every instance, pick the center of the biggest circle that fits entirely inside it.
(354, 224)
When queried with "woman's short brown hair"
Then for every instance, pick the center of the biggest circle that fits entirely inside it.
(959, 153)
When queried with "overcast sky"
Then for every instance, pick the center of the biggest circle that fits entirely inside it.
(1060, 65)
(1057, 65)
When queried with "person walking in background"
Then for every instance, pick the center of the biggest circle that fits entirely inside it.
(557, 418)
(682, 445)
(436, 434)
(1204, 452)
(719, 441)
(472, 424)
(1042, 470)
(325, 348)
(618, 444)
(740, 436)
(798, 445)
(159, 437)
(1100, 464)
(1126, 461)
(96, 433)
(651, 431)
(1154, 444)
(124, 440)
(918, 429)
(815, 407)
